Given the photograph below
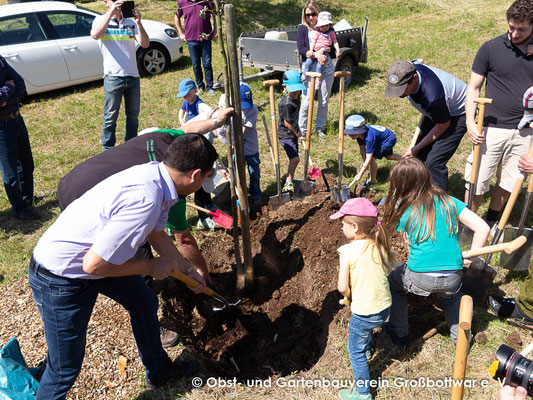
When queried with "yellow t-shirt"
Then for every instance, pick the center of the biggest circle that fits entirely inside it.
(368, 279)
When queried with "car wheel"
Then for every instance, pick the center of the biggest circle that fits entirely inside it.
(344, 64)
(153, 60)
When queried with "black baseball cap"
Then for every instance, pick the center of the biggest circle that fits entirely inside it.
(398, 76)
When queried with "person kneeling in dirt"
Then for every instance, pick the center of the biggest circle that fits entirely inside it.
(139, 150)
(288, 129)
(90, 249)
(375, 142)
(429, 219)
(364, 264)
(519, 310)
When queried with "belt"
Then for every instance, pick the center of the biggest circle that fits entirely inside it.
(38, 269)
(10, 116)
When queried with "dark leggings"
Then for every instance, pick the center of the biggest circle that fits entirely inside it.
(202, 199)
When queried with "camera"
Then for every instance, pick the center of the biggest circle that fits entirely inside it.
(513, 369)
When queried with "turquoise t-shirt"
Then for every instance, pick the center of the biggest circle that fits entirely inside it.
(442, 254)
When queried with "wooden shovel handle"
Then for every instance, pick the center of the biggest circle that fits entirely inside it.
(313, 74)
(465, 312)
(200, 209)
(530, 186)
(191, 282)
(341, 74)
(482, 101)
(271, 82)
(508, 247)
(417, 133)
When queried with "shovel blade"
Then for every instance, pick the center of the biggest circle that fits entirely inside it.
(301, 189)
(222, 219)
(477, 279)
(520, 259)
(275, 202)
(334, 194)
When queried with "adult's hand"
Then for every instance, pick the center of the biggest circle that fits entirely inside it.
(322, 59)
(115, 6)
(525, 164)
(136, 15)
(473, 134)
(224, 114)
(412, 152)
(198, 278)
(510, 393)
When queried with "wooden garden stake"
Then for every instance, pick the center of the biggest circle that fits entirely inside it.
(242, 190)
(461, 349)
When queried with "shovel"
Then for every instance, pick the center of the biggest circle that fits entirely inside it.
(478, 277)
(335, 193)
(520, 259)
(208, 291)
(303, 188)
(465, 234)
(218, 217)
(275, 201)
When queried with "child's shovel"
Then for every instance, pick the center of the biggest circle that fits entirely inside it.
(303, 188)
(218, 217)
(478, 277)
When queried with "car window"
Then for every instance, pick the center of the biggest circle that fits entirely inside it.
(70, 24)
(21, 29)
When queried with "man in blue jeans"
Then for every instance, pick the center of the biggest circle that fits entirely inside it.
(117, 37)
(198, 33)
(90, 249)
(16, 160)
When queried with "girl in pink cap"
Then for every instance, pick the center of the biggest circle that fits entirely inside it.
(364, 263)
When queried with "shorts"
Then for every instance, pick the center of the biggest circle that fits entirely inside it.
(290, 146)
(383, 152)
(499, 154)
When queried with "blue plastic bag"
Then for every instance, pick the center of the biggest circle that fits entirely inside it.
(16, 381)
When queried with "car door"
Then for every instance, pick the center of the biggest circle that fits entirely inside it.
(27, 48)
(81, 52)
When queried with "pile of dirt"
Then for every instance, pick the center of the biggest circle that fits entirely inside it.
(283, 324)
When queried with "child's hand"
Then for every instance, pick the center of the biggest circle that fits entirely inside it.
(337, 54)
(345, 301)
(358, 176)
(466, 260)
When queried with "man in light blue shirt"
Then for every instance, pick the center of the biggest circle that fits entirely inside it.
(89, 250)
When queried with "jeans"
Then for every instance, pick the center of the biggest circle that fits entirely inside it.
(115, 87)
(254, 171)
(16, 162)
(359, 341)
(437, 154)
(403, 280)
(66, 306)
(324, 90)
(200, 51)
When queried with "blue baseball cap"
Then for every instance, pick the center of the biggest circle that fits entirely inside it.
(292, 80)
(246, 97)
(185, 86)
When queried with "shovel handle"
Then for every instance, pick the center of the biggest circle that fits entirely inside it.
(417, 133)
(200, 209)
(508, 247)
(271, 82)
(314, 74)
(191, 282)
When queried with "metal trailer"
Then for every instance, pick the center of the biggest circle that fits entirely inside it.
(273, 56)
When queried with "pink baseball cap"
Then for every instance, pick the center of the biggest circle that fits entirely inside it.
(360, 207)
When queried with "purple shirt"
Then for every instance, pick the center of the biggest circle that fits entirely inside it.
(197, 22)
(114, 218)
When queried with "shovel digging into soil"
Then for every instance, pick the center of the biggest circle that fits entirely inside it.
(478, 277)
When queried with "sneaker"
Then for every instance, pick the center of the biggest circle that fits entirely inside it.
(178, 369)
(353, 394)
(369, 354)
(211, 92)
(369, 184)
(25, 215)
(321, 135)
(168, 338)
(507, 308)
(401, 341)
(199, 91)
(288, 187)
(205, 224)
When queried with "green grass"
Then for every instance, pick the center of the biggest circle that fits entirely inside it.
(65, 129)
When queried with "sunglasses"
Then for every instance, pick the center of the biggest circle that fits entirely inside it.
(311, 15)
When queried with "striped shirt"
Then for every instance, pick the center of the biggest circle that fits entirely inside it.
(118, 47)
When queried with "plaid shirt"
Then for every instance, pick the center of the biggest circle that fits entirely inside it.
(9, 94)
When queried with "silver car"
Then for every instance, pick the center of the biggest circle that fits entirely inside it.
(49, 44)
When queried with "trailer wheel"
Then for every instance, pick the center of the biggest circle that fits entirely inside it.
(345, 64)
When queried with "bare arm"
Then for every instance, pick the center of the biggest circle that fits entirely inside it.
(368, 160)
(98, 30)
(473, 91)
(189, 249)
(337, 49)
(177, 22)
(291, 129)
(208, 125)
(343, 283)
(141, 36)
(478, 226)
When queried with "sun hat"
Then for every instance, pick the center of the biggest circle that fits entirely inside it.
(398, 76)
(528, 99)
(360, 207)
(246, 97)
(184, 87)
(324, 18)
(293, 80)
(354, 125)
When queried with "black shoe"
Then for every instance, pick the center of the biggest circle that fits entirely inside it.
(400, 341)
(25, 215)
(168, 338)
(176, 370)
(507, 308)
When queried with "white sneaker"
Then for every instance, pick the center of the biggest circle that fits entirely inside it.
(205, 224)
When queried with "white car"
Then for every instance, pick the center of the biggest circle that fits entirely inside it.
(49, 44)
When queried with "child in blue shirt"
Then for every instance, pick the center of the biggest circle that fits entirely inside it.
(375, 142)
(192, 105)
